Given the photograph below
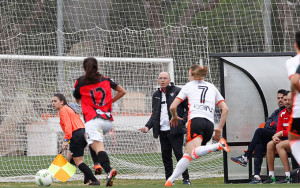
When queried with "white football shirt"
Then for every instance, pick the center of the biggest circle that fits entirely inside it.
(202, 98)
(291, 65)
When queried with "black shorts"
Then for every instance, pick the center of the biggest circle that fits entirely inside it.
(294, 127)
(200, 127)
(78, 143)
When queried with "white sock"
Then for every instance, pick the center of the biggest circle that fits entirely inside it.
(271, 173)
(181, 166)
(295, 145)
(203, 150)
(257, 177)
(288, 174)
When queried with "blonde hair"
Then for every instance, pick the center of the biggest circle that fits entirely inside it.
(198, 71)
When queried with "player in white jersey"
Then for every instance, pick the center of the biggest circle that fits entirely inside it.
(294, 74)
(202, 98)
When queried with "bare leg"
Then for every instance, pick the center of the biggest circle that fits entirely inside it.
(282, 148)
(271, 155)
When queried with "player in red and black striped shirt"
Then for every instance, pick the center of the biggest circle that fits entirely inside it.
(94, 91)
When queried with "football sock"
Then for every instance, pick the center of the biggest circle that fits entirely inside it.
(87, 171)
(104, 161)
(288, 174)
(181, 166)
(93, 155)
(203, 150)
(295, 145)
(271, 173)
(257, 177)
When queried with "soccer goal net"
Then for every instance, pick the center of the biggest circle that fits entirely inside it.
(51, 60)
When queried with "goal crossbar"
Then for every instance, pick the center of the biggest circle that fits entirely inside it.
(100, 59)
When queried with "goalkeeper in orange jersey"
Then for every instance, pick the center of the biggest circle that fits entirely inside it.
(74, 130)
(202, 97)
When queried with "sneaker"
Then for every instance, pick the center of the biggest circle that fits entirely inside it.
(169, 183)
(110, 177)
(86, 180)
(95, 183)
(187, 182)
(98, 169)
(240, 160)
(223, 145)
(285, 180)
(270, 179)
(255, 181)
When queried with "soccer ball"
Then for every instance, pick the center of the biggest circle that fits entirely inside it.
(43, 178)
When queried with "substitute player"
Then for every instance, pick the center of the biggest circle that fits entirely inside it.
(94, 91)
(202, 97)
(74, 130)
(293, 69)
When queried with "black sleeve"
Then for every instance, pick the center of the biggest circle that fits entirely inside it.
(113, 84)
(298, 70)
(149, 124)
(76, 90)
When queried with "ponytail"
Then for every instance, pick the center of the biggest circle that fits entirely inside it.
(198, 71)
(90, 67)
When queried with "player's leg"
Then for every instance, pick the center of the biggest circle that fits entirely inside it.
(98, 146)
(176, 142)
(97, 166)
(271, 148)
(206, 129)
(294, 137)
(282, 148)
(184, 162)
(166, 153)
(77, 145)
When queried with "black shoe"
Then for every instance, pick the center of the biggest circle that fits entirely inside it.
(270, 180)
(86, 180)
(187, 182)
(95, 183)
(285, 180)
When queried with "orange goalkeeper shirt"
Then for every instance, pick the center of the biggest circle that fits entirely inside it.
(69, 121)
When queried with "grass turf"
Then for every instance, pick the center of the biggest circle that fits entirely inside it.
(203, 183)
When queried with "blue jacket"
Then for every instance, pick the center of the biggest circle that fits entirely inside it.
(271, 122)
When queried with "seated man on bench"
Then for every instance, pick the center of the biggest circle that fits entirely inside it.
(260, 140)
(280, 142)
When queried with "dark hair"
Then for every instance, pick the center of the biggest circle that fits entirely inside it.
(198, 71)
(286, 93)
(281, 91)
(61, 97)
(90, 67)
(297, 39)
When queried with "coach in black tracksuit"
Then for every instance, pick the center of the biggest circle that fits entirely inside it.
(170, 137)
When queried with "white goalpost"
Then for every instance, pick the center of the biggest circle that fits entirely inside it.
(30, 132)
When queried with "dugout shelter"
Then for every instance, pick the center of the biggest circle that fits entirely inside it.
(249, 82)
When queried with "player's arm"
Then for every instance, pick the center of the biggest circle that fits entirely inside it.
(67, 129)
(173, 110)
(76, 92)
(120, 93)
(295, 85)
(224, 113)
